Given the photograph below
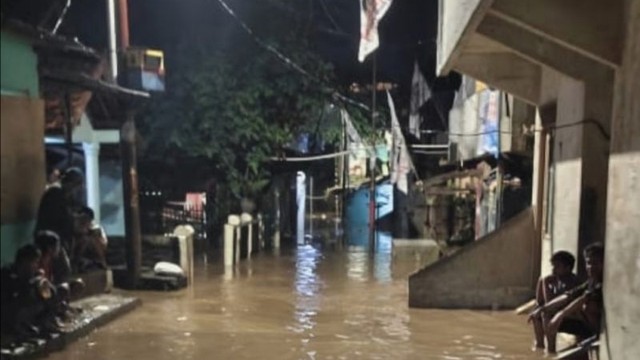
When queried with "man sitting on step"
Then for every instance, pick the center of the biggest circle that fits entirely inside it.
(560, 281)
(578, 311)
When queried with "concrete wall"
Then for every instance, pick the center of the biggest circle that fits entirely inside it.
(411, 255)
(494, 271)
(622, 262)
(22, 144)
(23, 170)
(18, 64)
(567, 167)
(456, 18)
(583, 25)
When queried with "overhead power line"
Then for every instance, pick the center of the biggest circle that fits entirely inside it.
(601, 130)
(336, 94)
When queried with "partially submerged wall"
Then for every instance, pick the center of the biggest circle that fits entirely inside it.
(494, 271)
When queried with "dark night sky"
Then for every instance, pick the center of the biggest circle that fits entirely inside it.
(408, 31)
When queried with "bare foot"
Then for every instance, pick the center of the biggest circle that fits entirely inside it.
(537, 346)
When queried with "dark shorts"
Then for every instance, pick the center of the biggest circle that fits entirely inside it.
(577, 328)
(61, 267)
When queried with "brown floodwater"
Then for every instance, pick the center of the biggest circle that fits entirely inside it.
(302, 304)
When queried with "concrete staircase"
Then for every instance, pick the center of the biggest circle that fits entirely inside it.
(494, 272)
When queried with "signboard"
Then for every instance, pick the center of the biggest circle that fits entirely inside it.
(144, 69)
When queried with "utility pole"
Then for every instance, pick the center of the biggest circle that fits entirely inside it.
(113, 52)
(129, 168)
(372, 162)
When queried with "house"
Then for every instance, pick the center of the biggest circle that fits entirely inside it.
(50, 85)
(578, 63)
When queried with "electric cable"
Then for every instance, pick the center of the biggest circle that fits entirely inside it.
(336, 94)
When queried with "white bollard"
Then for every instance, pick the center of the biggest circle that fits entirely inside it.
(184, 233)
(249, 240)
(229, 235)
(247, 220)
(301, 196)
(233, 220)
(276, 239)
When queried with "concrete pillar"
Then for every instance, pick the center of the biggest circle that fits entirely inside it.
(622, 259)
(537, 193)
(92, 168)
(567, 160)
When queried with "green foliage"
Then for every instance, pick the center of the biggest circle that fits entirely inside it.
(231, 105)
(234, 112)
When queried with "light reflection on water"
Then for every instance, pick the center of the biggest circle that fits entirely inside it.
(303, 304)
(307, 288)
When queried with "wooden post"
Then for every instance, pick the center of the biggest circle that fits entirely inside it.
(129, 170)
(131, 206)
(372, 173)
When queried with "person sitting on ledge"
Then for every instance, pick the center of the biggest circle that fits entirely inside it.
(579, 310)
(25, 296)
(90, 245)
(61, 292)
(56, 213)
(560, 281)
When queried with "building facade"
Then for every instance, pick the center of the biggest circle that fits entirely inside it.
(22, 143)
(578, 62)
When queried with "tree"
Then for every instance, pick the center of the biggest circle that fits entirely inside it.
(236, 112)
(230, 106)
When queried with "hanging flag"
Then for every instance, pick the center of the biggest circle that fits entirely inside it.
(370, 16)
(401, 163)
(420, 94)
(360, 152)
(489, 122)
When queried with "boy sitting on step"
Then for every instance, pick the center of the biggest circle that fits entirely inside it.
(25, 296)
(560, 281)
(579, 310)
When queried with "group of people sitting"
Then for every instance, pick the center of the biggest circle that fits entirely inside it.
(39, 285)
(564, 304)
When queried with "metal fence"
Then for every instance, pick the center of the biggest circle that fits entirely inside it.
(162, 217)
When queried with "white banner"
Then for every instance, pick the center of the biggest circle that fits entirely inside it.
(359, 150)
(370, 16)
(400, 160)
(420, 94)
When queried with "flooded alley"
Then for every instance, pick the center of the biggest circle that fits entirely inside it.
(302, 304)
